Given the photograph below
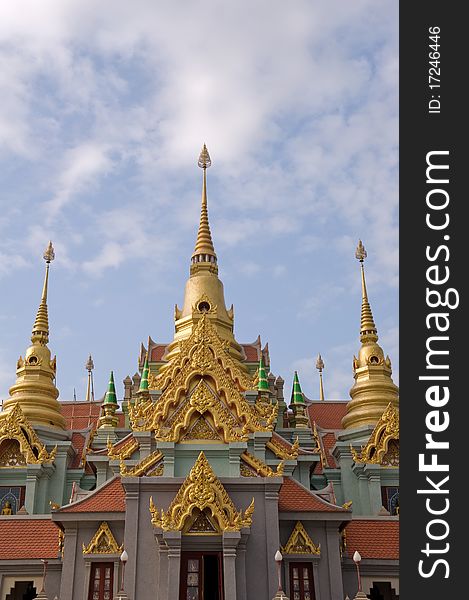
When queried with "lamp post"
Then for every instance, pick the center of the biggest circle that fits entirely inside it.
(42, 594)
(280, 595)
(356, 559)
(124, 557)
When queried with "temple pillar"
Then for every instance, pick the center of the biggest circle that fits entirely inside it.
(173, 540)
(231, 540)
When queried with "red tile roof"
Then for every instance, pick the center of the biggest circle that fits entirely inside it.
(373, 538)
(110, 497)
(78, 442)
(252, 352)
(82, 415)
(293, 497)
(28, 538)
(157, 353)
(328, 414)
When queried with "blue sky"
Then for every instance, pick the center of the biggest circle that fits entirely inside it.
(104, 108)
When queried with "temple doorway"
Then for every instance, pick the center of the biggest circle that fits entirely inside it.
(201, 576)
(23, 590)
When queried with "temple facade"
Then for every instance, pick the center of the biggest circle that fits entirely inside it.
(204, 482)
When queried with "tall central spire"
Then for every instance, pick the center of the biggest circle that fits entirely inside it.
(40, 333)
(204, 252)
(368, 331)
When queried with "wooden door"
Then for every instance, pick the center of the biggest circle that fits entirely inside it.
(301, 581)
(101, 581)
(201, 576)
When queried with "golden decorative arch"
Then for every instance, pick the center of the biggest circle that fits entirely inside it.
(200, 491)
(203, 379)
(379, 449)
(299, 542)
(103, 542)
(15, 426)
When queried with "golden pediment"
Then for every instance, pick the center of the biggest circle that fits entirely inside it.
(201, 491)
(103, 542)
(299, 542)
(145, 467)
(383, 446)
(15, 426)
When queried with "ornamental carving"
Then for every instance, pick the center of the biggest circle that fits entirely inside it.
(299, 542)
(11, 455)
(319, 447)
(15, 426)
(281, 451)
(124, 451)
(201, 491)
(203, 379)
(260, 467)
(379, 449)
(103, 542)
(201, 430)
(143, 467)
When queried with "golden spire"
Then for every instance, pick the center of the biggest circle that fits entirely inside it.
(40, 333)
(90, 386)
(368, 329)
(374, 388)
(204, 250)
(320, 367)
(35, 389)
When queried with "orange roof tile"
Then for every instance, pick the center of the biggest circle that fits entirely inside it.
(110, 497)
(373, 538)
(328, 414)
(80, 415)
(252, 352)
(157, 353)
(293, 497)
(78, 442)
(28, 538)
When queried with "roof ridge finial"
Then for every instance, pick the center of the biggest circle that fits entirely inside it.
(40, 332)
(320, 367)
(204, 250)
(90, 384)
(368, 331)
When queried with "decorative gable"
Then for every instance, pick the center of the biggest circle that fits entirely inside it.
(299, 542)
(103, 542)
(383, 446)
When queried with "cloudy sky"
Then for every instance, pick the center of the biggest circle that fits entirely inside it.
(104, 108)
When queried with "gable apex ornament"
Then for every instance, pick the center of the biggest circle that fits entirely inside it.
(378, 446)
(299, 542)
(103, 542)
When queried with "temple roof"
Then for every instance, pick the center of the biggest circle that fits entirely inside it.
(373, 538)
(28, 538)
(110, 497)
(293, 497)
(328, 414)
(82, 415)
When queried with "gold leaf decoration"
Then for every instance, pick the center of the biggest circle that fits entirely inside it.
(299, 542)
(142, 467)
(103, 542)
(201, 490)
(379, 449)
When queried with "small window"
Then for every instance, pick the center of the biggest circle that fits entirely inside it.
(390, 498)
(204, 306)
(101, 581)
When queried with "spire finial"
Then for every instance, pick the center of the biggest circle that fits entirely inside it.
(204, 252)
(368, 331)
(40, 331)
(144, 380)
(320, 367)
(90, 385)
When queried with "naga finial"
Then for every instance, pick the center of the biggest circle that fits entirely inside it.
(204, 158)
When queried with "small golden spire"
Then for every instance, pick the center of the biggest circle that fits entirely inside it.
(40, 331)
(204, 250)
(368, 331)
(90, 385)
(320, 367)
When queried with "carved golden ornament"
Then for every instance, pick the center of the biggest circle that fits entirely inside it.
(15, 426)
(260, 467)
(203, 358)
(375, 450)
(157, 471)
(201, 524)
(347, 505)
(319, 447)
(89, 442)
(61, 543)
(245, 471)
(142, 467)
(103, 542)
(11, 455)
(201, 490)
(204, 305)
(281, 452)
(201, 430)
(138, 411)
(299, 542)
(125, 451)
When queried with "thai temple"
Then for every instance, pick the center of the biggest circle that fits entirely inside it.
(206, 476)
